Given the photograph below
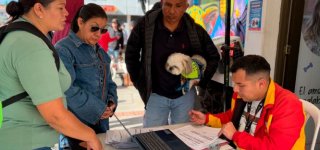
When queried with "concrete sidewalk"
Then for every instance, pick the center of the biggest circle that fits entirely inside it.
(130, 108)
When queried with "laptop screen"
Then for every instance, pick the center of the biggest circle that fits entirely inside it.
(156, 140)
(160, 140)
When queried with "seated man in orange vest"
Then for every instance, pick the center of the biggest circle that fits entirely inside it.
(263, 115)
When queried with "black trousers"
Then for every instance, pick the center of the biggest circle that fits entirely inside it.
(74, 144)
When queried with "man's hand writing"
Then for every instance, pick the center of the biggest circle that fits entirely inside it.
(197, 117)
(228, 130)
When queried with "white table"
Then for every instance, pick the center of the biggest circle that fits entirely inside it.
(102, 138)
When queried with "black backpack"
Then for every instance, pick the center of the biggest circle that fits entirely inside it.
(28, 27)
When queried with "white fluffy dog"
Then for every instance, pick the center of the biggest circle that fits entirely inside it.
(190, 68)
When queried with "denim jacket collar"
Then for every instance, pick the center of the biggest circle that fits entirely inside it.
(75, 39)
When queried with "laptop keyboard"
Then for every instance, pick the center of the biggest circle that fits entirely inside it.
(152, 141)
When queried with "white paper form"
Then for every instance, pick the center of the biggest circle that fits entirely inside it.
(197, 137)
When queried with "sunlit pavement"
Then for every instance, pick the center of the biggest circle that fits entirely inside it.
(130, 108)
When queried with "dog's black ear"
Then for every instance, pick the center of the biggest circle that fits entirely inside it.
(187, 65)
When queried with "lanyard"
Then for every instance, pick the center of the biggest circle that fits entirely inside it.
(250, 120)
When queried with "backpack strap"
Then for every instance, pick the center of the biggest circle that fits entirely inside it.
(28, 27)
(14, 99)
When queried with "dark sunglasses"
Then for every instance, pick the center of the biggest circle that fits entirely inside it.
(95, 29)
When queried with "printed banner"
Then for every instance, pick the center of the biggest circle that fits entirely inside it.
(255, 15)
(307, 85)
(308, 69)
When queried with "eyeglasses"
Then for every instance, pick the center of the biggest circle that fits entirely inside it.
(95, 29)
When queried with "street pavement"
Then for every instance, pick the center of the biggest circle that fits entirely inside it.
(130, 108)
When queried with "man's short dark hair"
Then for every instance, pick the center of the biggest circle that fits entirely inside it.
(251, 64)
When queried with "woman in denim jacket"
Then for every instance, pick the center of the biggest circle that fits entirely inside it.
(92, 96)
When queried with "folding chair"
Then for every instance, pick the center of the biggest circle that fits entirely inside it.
(314, 112)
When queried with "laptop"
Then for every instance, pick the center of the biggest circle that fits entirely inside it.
(157, 140)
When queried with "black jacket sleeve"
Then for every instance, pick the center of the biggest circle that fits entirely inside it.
(120, 40)
(133, 53)
(210, 53)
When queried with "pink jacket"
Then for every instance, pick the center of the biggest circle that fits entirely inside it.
(72, 7)
(105, 40)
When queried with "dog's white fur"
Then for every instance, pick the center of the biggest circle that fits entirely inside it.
(178, 63)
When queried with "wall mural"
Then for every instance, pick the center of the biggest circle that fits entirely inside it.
(3, 14)
(5, 2)
(210, 14)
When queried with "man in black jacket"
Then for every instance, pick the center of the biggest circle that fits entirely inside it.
(160, 33)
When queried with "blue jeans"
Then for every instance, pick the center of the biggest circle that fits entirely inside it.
(114, 54)
(161, 110)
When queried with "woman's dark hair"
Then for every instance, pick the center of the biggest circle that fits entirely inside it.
(115, 20)
(87, 12)
(17, 9)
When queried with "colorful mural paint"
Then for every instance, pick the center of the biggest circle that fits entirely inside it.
(5, 2)
(3, 14)
(196, 12)
(210, 14)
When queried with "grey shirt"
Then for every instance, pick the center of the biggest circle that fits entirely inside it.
(114, 45)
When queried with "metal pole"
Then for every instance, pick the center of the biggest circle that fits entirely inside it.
(226, 53)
